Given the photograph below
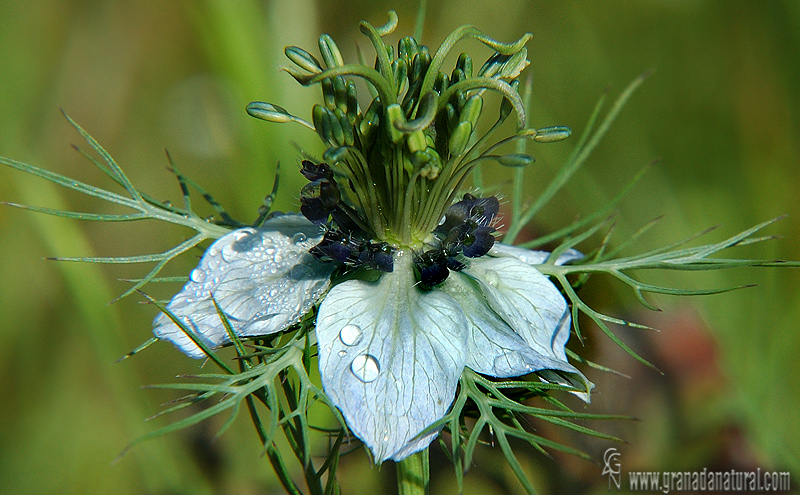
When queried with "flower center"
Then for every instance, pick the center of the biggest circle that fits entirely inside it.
(391, 171)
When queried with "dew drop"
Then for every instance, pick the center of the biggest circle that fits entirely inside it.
(299, 237)
(243, 234)
(198, 276)
(350, 334)
(342, 353)
(492, 278)
(365, 367)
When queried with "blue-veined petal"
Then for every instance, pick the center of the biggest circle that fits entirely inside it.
(526, 300)
(531, 305)
(390, 356)
(495, 349)
(533, 257)
(263, 279)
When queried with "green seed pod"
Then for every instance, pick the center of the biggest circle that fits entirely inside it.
(269, 112)
(552, 134)
(460, 100)
(514, 65)
(370, 122)
(406, 48)
(515, 160)
(441, 84)
(457, 76)
(352, 102)
(420, 64)
(328, 94)
(464, 63)
(430, 141)
(416, 67)
(400, 71)
(459, 138)
(330, 52)
(322, 125)
(346, 126)
(334, 155)
(505, 106)
(408, 104)
(340, 93)
(472, 110)
(337, 133)
(303, 59)
(416, 141)
(452, 117)
(394, 114)
(492, 65)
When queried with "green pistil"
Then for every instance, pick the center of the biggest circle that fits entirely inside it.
(407, 155)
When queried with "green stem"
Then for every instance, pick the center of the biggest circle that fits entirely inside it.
(413, 474)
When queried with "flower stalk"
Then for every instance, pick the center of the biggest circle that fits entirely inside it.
(413, 474)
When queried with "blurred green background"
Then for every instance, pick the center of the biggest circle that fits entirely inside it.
(720, 111)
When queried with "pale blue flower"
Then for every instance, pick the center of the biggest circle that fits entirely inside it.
(428, 292)
(390, 353)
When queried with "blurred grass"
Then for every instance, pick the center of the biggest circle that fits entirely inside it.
(721, 111)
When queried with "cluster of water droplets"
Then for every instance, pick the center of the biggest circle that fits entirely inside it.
(263, 279)
(364, 366)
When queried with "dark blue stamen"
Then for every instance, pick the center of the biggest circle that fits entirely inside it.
(466, 231)
(346, 249)
(318, 199)
(430, 268)
(478, 210)
(338, 247)
(316, 171)
(378, 256)
(478, 242)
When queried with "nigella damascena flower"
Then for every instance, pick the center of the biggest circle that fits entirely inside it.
(411, 284)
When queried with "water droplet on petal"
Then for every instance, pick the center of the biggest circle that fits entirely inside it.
(491, 277)
(365, 367)
(198, 276)
(299, 237)
(350, 334)
(342, 353)
(243, 234)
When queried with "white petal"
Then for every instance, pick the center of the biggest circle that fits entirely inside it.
(533, 257)
(263, 279)
(531, 305)
(495, 349)
(527, 301)
(390, 356)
